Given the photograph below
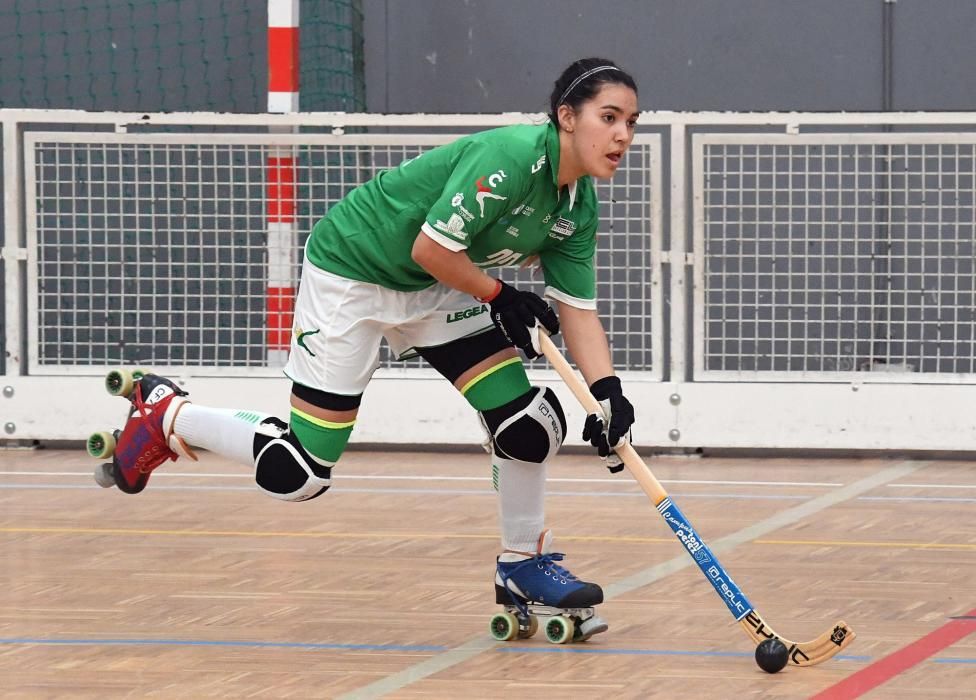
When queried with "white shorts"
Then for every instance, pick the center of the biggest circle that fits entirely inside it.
(340, 323)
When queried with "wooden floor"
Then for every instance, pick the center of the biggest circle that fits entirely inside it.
(201, 587)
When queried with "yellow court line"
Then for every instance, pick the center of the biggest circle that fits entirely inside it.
(832, 543)
(446, 536)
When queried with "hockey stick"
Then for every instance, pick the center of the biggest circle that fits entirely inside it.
(800, 653)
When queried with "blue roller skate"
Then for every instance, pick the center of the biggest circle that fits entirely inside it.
(532, 586)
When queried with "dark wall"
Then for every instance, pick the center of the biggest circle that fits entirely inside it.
(493, 55)
(933, 59)
(503, 55)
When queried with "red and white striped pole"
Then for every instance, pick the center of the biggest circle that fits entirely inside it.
(280, 178)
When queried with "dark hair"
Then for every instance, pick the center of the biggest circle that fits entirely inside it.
(573, 89)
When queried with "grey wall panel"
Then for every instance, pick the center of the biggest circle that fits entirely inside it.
(502, 55)
(933, 55)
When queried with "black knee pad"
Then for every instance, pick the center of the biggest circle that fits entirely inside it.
(283, 469)
(527, 429)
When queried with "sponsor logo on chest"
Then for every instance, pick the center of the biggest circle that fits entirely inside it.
(484, 191)
(562, 229)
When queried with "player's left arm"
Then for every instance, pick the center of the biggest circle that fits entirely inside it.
(571, 282)
(586, 341)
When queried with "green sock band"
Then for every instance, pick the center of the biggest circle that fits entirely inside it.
(497, 385)
(322, 439)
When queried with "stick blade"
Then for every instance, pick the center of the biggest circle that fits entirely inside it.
(810, 653)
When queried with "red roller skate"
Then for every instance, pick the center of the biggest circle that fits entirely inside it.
(147, 439)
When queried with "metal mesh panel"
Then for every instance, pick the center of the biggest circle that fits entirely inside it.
(836, 254)
(623, 262)
(152, 250)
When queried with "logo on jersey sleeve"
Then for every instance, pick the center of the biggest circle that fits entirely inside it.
(485, 190)
(453, 227)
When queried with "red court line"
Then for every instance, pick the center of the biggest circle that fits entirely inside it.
(885, 669)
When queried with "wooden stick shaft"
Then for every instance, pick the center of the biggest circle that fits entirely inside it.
(650, 485)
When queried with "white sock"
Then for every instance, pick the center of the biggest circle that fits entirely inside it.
(226, 431)
(521, 490)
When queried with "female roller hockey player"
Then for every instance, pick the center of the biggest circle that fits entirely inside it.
(405, 256)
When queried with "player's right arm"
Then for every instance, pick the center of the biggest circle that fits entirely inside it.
(453, 268)
(481, 187)
(512, 311)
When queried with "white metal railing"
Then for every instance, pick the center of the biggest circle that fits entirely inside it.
(767, 280)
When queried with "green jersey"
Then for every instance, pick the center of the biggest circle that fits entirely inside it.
(492, 194)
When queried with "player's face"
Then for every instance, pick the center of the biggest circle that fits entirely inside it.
(602, 130)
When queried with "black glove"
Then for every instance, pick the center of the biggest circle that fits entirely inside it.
(515, 312)
(606, 431)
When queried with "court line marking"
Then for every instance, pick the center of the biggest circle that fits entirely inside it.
(883, 670)
(220, 643)
(410, 536)
(562, 480)
(397, 681)
(582, 649)
(488, 491)
(549, 649)
(425, 477)
(932, 486)
(920, 499)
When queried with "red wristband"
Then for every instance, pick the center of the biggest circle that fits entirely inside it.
(491, 297)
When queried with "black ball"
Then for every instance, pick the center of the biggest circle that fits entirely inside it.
(772, 655)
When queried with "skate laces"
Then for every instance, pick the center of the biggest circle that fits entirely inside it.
(155, 426)
(547, 564)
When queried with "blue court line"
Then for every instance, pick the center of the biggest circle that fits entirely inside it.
(200, 643)
(548, 649)
(647, 652)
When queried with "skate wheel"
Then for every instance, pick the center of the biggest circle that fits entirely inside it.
(100, 445)
(104, 476)
(559, 630)
(503, 626)
(119, 382)
(530, 630)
